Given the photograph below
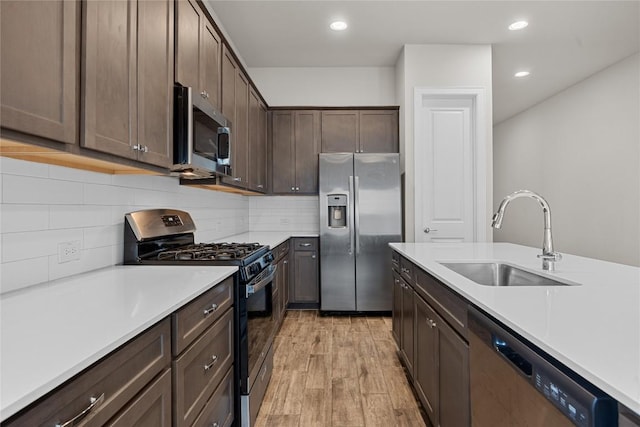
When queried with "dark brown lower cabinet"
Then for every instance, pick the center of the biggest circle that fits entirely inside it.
(407, 327)
(151, 408)
(305, 285)
(219, 409)
(396, 319)
(441, 371)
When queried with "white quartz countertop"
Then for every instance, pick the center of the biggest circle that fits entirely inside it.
(594, 328)
(51, 332)
(271, 238)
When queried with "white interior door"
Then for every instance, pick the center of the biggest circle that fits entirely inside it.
(444, 168)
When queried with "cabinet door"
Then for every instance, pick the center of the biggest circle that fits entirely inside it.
(340, 131)
(285, 282)
(39, 68)
(453, 362)
(396, 320)
(229, 70)
(210, 59)
(305, 286)
(257, 144)
(378, 131)
(151, 408)
(110, 86)
(261, 166)
(306, 136)
(426, 361)
(407, 326)
(155, 81)
(240, 144)
(189, 22)
(282, 166)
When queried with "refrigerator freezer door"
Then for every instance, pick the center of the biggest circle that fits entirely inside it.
(337, 244)
(378, 219)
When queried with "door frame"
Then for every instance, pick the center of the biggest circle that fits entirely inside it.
(479, 152)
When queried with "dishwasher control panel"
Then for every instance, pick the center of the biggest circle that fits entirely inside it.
(568, 404)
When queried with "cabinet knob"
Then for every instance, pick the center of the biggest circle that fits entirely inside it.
(260, 186)
(204, 94)
(293, 188)
(297, 188)
(313, 256)
(237, 179)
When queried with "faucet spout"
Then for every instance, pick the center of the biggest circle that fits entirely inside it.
(548, 255)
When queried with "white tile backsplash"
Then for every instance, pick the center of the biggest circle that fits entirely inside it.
(43, 206)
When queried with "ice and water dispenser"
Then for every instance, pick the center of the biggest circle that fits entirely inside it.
(337, 204)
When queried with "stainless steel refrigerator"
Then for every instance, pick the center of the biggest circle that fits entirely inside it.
(360, 213)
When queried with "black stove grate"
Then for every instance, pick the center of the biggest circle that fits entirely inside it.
(210, 252)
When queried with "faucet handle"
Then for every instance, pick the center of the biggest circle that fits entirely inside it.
(553, 256)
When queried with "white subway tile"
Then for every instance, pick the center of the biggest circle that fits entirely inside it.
(95, 194)
(24, 217)
(23, 168)
(134, 181)
(90, 259)
(110, 235)
(76, 216)
(35, 244)
(25, 189)
(20, 274)
(78, 175)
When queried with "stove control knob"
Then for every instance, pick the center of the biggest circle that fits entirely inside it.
(253, 269)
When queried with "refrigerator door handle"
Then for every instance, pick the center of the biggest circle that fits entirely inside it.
(356, 215)
(351, 221)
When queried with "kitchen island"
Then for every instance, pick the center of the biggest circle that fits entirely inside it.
(593, 328)
(52, 331)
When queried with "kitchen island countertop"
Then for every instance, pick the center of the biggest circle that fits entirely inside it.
(52, 331)
(593, 328)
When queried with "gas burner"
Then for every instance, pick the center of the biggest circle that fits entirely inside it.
(210, 251)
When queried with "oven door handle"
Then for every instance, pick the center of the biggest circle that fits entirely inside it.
(262, 280)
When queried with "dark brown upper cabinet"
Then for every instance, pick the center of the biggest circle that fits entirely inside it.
(235, 106)
(257, 143)
(198, 52)
(128, 79)
(39, 57)
(360, 131)
(295, 137)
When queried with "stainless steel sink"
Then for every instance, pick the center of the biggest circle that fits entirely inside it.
(501, 274)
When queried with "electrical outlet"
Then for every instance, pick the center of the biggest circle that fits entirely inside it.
(68, 251)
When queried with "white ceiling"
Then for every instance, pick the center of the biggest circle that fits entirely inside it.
(565, 42)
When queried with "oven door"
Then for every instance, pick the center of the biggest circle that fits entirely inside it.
(256, 302)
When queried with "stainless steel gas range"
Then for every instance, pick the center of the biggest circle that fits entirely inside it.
(166, 237)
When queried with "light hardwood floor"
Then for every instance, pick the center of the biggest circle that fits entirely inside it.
(337, 371)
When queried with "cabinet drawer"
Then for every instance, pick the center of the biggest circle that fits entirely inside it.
(305, 244)
(281, 250)
(199, 370)
(395, 261)
(407, 270)
(194, 318)
(151, 408)
(113, 381)
(219, 409)
(449, 305)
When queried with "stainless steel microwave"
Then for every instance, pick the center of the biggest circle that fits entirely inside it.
(202, 137)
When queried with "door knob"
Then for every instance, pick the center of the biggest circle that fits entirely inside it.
(429, 230)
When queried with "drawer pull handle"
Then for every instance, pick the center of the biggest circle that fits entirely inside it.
(431, 323)
(305, 245)
(210, 310)
(93, 402)
(214, 359)
(215, 424)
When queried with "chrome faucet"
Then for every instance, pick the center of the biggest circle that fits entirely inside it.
(548, 256)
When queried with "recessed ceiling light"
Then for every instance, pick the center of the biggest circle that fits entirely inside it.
(518, 25)
(521, 74)
(338, 26)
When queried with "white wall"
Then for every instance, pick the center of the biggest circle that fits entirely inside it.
(439, 66)
(580, 149)
(326, 86)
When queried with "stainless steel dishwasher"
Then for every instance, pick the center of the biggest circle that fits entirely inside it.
(514, 385)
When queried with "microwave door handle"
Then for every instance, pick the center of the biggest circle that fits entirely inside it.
(189, 125)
